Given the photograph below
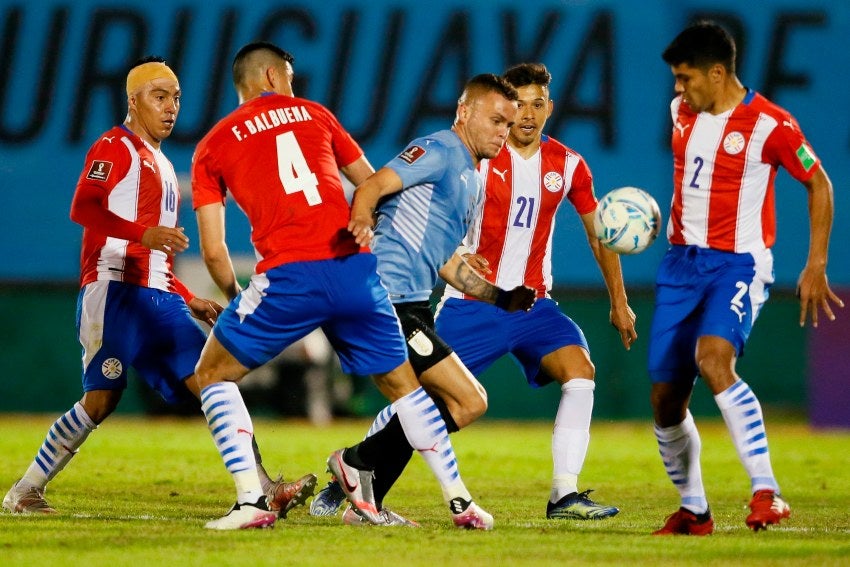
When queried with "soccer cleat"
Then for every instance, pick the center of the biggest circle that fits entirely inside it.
(357, 486)
(469, 516)
(328, 500)
(351, 518)
(578, 506)
(766, 508)
(27, 500)
(245, 516)
(685, 522)
(284, 496)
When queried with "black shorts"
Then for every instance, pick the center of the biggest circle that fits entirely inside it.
(424, 347)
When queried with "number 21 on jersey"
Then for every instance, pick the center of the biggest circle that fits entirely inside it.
(295, 174)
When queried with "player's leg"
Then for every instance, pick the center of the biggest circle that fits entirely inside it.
(736, 298)
(457, 395)
(275, 310)
(427, 433)
(282, 495)
(574, 373)
(672, 370)
(232, 430)
(61, 443)
(550, 346)
(106, 322)
(366, 334)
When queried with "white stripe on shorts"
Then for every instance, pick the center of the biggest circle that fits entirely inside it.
(91, 319)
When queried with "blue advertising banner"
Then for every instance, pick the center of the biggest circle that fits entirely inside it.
(392, 70)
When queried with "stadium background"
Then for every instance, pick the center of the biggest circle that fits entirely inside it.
(392, 70)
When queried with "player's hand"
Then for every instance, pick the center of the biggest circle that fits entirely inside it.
(361, 228)
(623, 319)
(814, 293)
(205, 310)
(478, 263)
(165, 239)
(520, 298)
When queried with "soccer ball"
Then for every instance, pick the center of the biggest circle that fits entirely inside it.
(627, 220)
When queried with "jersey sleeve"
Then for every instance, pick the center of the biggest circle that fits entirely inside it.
(581, 187)
(106, 163)
(181, 289)
(787, 146)
(207, 185)
(423, 161)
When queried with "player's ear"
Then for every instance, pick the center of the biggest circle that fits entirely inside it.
(717, 72)
(551, 106)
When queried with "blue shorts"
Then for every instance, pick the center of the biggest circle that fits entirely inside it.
(343, 296)
(120, 325)
(481, 333)
(698, 292)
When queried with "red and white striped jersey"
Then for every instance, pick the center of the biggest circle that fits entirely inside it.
(514, 226)
(140, 187)
(724, 168)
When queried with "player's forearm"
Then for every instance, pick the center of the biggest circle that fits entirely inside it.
(612, 275)
(821, 211)
(220, 268)
(457, 273)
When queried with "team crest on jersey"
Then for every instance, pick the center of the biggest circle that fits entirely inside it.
(411, 154)
(421, 344)
(733, 143)
(111, 368)
(553, 181)
(99, 170)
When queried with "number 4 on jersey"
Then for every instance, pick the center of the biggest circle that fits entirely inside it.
(295, 174)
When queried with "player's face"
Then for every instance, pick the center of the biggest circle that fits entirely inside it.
(695, 85)
(155, 109)
(489, 119)
(533, 109)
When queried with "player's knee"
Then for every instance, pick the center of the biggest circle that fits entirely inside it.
(668, 407)
(716, 371)
(99, 404)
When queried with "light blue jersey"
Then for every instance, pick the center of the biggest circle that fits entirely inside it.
(420, 227)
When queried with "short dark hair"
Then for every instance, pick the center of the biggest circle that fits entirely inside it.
(702, 45)
(240, 68)
(526, 74)
(488, 82)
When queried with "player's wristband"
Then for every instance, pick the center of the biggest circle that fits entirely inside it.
(503, 299)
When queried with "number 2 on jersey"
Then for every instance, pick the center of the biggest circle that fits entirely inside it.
(295, 174)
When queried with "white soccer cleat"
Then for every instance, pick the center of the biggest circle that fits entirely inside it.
(26, 500)
(468, 515)
(245, 516)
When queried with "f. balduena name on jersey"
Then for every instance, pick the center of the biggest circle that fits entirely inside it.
(273, 118)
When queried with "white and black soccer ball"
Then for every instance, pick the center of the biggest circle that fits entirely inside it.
(627, 220)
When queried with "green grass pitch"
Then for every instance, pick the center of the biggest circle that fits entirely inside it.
(141, 489)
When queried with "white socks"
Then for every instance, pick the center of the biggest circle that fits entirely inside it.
(744, 419)
(571, 435)
(232, 431)
(63, 439)
(426, 432)
(680, 446)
